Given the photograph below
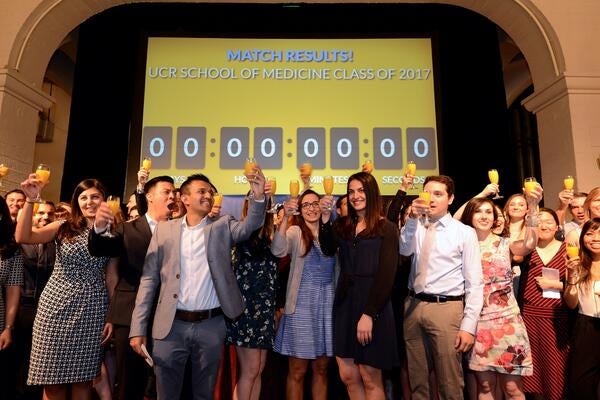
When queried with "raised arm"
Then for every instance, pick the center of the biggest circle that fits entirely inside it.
(24, 232)
(526, 245)
(487, 191)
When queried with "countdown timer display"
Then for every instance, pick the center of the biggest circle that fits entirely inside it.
(209, 104)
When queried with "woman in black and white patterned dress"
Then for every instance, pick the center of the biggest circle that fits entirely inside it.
(69, 328)
(11, 280)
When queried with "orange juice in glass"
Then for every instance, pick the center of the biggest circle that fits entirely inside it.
(114, 203)
(368, 166)
(294, 188)
(217, 199)
(426, 197)
(569, 182)
(529, 184)
(411, 168)
(306, 169)
(294, 191)
(146, 164)
(273, 182)
(43, 173)
(328, 185)
(572, 250)
(3, 172)
(493, 176)
(249, 166)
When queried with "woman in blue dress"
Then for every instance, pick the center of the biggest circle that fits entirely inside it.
(305, 329)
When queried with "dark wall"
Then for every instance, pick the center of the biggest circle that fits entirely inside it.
(474, 129)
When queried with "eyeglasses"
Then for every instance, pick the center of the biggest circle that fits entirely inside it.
(314, 204)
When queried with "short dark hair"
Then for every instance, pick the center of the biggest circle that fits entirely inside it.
(551, 212)
(195, 177)
(472, 207)
(154, 181)
(445, 179)
(49, 203)
(15, 191)
(338, 202)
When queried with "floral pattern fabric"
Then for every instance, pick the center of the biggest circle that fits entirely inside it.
(256, 272)
(502, 344)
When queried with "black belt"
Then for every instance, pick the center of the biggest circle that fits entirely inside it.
(434, 298)
(197, 316)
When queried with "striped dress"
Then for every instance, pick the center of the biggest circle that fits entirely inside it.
(308, 332)
(547, 322)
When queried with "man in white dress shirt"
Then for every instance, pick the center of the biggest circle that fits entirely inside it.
(188, 265)
(445, 291)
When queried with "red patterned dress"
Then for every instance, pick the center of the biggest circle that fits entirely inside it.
(547, 322)
(502, 344)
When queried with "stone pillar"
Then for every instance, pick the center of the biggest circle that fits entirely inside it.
(20, 104)
(568, 117)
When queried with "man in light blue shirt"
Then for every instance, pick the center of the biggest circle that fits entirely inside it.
(445, 291)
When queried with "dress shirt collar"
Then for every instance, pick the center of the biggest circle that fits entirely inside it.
(202, 223)
(151, 222)
(444, 221)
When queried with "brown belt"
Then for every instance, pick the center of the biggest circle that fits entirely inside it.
(197, 316)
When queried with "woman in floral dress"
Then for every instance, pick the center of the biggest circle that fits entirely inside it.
(501, 354)
(253, 332)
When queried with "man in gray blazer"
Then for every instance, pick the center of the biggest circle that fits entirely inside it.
(189, 265)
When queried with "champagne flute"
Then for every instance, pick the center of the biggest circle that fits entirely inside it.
(147, 163)
(249, 166)
(368, 166)
(306, 169)
(569, 182)
(3, 172)
(294, 191)
(114, 203)
(572, 250)
(273, 181)
(411, 169)
(426, 197)
(328, 187)
(42, 173)
(494, 178)
(529, 184)
(217, 199)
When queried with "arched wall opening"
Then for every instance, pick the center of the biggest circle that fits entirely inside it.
(47, 25)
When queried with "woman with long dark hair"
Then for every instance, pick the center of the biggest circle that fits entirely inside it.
(69, 328)
(253, 332)
(305, 332)
(364, 325)
(583, 293)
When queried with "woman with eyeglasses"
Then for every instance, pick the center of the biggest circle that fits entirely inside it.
(364, 325)
(305, 333)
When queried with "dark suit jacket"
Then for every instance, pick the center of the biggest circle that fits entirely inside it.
(130, 245)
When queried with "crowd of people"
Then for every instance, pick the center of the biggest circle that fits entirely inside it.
(489, 303)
